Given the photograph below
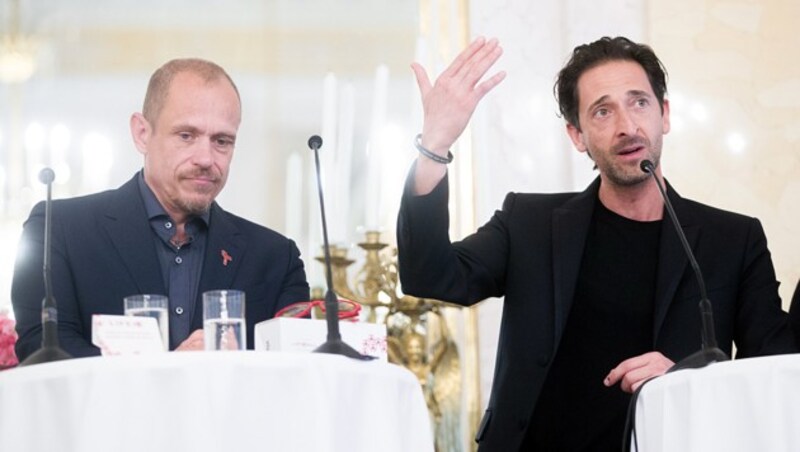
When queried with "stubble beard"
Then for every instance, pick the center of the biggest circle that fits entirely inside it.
(630, 174)
(199, 202)
(195, 207)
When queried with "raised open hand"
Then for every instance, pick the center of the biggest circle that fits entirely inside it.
(450, 101)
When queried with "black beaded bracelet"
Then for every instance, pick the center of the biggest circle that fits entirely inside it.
(435, 157)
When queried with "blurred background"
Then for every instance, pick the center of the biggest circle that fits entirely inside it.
(72, 72)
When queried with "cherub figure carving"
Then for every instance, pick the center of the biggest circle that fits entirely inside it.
(438, 370)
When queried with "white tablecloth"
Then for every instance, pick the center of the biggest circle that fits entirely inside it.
(207, 401)
(744, 405)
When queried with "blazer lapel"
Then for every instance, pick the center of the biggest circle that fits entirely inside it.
(225, 251)
(570, 228)
(672, 260)
(125, 222)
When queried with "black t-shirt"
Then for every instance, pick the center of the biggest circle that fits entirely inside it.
(611, 320)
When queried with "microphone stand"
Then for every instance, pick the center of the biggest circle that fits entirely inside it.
(334, 344)
(51, 349)
(709, 352)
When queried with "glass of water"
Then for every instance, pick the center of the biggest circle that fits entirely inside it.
(223, 320)
(154, 306)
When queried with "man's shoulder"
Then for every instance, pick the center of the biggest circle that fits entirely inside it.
(705, 213)
(251, 229)
(81, 205)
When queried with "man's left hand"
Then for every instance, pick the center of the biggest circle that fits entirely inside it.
(632, 372)
(194, 342)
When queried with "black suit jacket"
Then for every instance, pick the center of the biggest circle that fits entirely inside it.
(794, 313)
(530, 252)
(103, 250)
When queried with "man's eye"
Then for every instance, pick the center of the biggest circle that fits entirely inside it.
(185, 136)
(601, 112)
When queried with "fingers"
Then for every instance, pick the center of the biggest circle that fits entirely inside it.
(423, 81)
(195, 341)
(489, 84)
(465, 56)
(632, 372)
(468, 67)
(635, 378)
(476, 66)
(448, 102)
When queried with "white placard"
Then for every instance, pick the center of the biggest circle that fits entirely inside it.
(304, 335)
(126, 335)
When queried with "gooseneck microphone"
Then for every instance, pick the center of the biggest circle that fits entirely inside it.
(334, 344)
(51, 349)
(709, 352)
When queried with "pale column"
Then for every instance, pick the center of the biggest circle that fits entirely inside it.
(293, 197)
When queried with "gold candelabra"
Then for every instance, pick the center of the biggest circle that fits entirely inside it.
(417, 333)
(339, 264)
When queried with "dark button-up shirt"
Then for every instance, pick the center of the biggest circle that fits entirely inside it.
(180, 265)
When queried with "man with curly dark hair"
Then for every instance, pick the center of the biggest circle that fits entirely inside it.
(599, 294)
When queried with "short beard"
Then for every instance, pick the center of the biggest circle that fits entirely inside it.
(618, 176)
(625, 180)
(194, 208)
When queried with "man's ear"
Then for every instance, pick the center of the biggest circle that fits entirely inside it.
(576, 136)
(140, 132)
(665, 117)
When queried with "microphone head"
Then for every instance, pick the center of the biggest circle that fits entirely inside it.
(315, 142)
(647, 166)
(47, 176)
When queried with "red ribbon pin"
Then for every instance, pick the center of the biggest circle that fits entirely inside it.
(225, 258)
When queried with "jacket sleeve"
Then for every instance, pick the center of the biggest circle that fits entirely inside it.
(762, 326)
(794, 313)
(464, 272)
(294, 287)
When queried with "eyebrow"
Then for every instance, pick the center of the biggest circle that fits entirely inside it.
(224, 135)
(596, 103)
(184, 128)
(638, 93)
(196, 130)
(630, 93)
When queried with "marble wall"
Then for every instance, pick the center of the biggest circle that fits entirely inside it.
(735, 91)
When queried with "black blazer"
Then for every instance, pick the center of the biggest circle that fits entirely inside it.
(103, 251)
(530, 253)
(794, 313)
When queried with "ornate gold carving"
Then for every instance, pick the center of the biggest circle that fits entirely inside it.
(418, 336)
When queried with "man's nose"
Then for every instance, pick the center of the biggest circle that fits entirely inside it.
(203, 153)
(626, 124)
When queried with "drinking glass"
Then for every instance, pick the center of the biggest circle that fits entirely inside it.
(148, 305)
(223, 320)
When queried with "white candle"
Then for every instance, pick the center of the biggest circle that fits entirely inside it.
(328, 152)
(344, 148)
(314, 271)
(375, 147)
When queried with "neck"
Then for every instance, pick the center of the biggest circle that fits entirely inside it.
(640, 202)
(177, 215)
